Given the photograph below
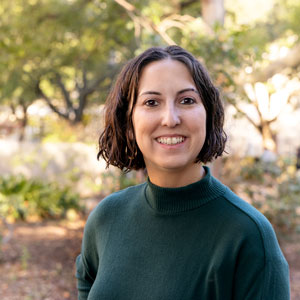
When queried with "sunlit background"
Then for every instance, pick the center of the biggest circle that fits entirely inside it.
(58, 59)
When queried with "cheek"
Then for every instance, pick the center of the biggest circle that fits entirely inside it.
(204, 125)
(138, 126)
(142, 122)
(199, 127)
(197, 121)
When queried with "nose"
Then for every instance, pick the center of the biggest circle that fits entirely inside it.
(170, 116)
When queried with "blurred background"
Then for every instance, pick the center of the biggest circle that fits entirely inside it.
(58, 60)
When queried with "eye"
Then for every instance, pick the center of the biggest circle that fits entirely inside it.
(187, 100)
(151, 102)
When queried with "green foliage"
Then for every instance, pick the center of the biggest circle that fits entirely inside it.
(68, 47)
(72, 50)
(59, 131)
(285, 213)
(115, 181)
(254, 170)
(273, 188)
(21, 198)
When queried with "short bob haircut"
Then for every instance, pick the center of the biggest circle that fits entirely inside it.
(117, 145)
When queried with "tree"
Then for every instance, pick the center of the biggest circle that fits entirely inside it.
(16, 85)
(213, 12)
(231, 52)
(271, 79)
(66, 61)
(71, 64)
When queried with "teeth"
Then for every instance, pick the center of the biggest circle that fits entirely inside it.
(170, 140)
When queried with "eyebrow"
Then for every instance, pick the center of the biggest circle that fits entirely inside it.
(178, 93)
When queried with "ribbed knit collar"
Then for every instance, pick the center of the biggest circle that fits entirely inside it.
(181, 199)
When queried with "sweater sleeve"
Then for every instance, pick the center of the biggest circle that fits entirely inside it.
(87, 261)
(261, 271)
(84, 280)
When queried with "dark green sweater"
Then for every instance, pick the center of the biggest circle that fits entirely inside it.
(196, 242)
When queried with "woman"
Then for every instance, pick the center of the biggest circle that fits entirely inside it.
(182, 234)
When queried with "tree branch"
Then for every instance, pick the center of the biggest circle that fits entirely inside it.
(84, 78)
(242, 112)
(185, 4)
(126, 5)
(41, 94)
(291, 60)
(247, 117)
(90, 88)
(84, 92)
(175, 20)
(136, 16)
(66, 94)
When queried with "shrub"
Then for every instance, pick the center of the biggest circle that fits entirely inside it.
(273, 188)
(21, 198)
(112, 181)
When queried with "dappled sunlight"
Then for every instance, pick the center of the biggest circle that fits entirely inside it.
(49, 232)
(38, 261)
(59, 60)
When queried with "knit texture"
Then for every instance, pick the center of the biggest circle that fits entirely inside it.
(195, 242)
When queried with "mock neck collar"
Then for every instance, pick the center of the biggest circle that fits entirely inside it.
(177, 200)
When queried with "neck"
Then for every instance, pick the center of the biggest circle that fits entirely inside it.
(176, 178)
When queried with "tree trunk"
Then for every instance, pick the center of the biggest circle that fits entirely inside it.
(268, 136)
(213, 12)
(23, 123)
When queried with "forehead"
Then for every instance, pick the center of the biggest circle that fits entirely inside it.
(165, 72)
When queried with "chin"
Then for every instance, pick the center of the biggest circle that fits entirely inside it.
(173, 166)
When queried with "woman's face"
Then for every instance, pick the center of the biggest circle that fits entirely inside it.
(169, 118)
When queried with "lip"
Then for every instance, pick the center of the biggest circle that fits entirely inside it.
(170, 135)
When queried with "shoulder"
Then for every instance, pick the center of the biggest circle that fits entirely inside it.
(120, 198)
(253, 225)
(237, 211)
(247, 213)
(260, 261)
(113, 204)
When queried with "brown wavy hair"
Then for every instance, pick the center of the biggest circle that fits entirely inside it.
(117, 145)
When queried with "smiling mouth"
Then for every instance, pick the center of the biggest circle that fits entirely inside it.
(170, 140)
